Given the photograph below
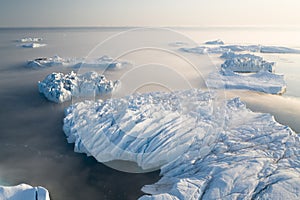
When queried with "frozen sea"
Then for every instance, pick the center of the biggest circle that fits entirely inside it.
(33, 146)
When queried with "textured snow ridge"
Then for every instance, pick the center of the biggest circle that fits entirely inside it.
(104, 62)
(215, 42)
(246, 63)
(238, 48)
(149, 129)
(58, 87)
(33, 45)
(23, 192)
(254, 158)
(207, 148)
(263, 81)
(29, 39)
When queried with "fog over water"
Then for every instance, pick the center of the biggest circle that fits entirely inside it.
(34, 149)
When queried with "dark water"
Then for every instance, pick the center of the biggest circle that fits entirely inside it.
(34, 149)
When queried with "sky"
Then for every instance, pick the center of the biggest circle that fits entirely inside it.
(55, 13)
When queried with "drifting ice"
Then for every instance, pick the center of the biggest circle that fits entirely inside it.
(58, 87)
(23, 192)
(206, 149)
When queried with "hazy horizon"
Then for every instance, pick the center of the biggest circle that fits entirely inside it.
(136, 13)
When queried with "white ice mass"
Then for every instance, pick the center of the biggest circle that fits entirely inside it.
(59, 87)
(247, 72)
(206, 148)
(215, 42)
(29, 39)
(246, 63)
(238, 48)
(23, 192)
(104, 62)
(33, 45)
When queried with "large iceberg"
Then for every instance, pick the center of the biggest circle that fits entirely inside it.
(246, 63)
(206, 148)
(59, 87)
(104, 62)
(23, 192)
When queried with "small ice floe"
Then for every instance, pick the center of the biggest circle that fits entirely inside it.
(33, 45)
(29, 39)
(104, 62)
(203, 151)
(23, 192)
(47, 62)
(239, 48)
(215, 42)
(59, 87)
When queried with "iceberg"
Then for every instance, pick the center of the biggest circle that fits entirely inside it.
(262, 81)
(23, 191)
(58, 87)
(205, 50)
(246, 63)
(206, 148)
(215, 42)
(49, 62)
(29, 39)
(104, 62)
(33, 45)
(239, 48)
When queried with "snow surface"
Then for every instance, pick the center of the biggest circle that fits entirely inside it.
(33, 45)
(262, 81)
(215, 42)
(104, 62)
(59, 87)
(206, 148)
(238, 48)
(23, 192)
(29, 39)
(246, 63)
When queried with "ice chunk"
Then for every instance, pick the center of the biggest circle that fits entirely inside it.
(239, 48)
(49, 62)
(205, 50)
(58, 87)
(246, 63)
(29, 39)
(206, 152)
(23, 192)
(263, 81)
(33, 45)
(104, 62)
(215, 42)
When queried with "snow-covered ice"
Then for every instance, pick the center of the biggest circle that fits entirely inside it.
(262, 81)
(246, 63)
(104, 62)
(206, 148)
(239, 48)
(49, 62)
(215, 42)
(33, 45)
(23, 192)
(59, 87)
(29, 39)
